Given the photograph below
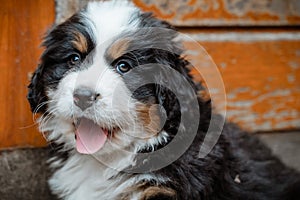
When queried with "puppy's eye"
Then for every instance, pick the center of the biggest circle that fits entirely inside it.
(122, 67)
(74, 59)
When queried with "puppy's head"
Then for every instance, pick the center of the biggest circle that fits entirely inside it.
(106, 76)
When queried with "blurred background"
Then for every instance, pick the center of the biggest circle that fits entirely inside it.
(254, 43)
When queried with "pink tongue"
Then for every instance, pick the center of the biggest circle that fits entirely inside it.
(90, 137)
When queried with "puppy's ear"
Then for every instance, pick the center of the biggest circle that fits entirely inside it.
(35, 94)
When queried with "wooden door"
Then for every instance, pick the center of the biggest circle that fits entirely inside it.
(22, 26)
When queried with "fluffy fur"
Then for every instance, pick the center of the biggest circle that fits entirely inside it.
(84, 52)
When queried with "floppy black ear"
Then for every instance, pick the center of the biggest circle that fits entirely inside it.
(35, 94)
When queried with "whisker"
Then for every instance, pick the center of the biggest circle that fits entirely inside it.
(39, 107)
(28, 126)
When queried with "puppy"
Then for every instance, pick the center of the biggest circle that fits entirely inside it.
(122, 116)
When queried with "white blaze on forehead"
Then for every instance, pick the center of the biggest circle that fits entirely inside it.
(111, 18)
(93, 74)
(107, 20)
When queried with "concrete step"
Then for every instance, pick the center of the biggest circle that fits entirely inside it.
(284, 145)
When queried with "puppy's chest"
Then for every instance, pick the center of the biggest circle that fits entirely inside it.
(87, 179)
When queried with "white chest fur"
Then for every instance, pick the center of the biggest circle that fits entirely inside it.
(84, 177)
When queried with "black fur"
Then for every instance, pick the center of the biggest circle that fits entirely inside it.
(237, 154)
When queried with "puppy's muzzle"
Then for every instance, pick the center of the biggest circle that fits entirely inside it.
(84, 98)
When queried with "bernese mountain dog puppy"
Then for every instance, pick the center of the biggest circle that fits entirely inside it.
(124, 120)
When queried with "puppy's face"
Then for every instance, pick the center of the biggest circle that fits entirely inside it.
(97, 79)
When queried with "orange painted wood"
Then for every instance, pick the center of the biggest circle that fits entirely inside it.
(22, 26)
(262, 81)
(225, 12)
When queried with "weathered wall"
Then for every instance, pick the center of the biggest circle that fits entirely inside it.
(210, 12)
(225, 12)
(23, 24)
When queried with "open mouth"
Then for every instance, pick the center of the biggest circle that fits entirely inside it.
(90, 137)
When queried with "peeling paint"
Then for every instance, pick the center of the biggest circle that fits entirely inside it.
(225, 12)
(255, 93)
(294, 64)
(240, 104)
(291, 78)
(234, 113)
(233, 94)
(287, 123)
(223, 65)
(259, 64)
(265, 126)
(243, 37)
(275, 93)
(294, 7)
(242, 7)
(274, 114)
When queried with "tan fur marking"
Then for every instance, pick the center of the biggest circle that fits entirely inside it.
(118, 48)
(149, 116)
(152, 192)
(132, 190)
(80, 42)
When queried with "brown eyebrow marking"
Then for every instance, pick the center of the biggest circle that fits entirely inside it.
(117, 49)
(80, 42)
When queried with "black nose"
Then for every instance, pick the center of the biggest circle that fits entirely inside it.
(84, 98)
